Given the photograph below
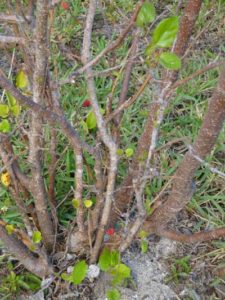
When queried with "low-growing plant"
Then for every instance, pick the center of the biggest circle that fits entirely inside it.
(82, 125)
(180, 269)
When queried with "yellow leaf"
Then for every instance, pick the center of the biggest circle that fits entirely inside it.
(5, 179)
(75, 203)
(22, 80)
(88, 203)
(10, 228)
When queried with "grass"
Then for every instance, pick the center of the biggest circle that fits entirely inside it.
(182, 120)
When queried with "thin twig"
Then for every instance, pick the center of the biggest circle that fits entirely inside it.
(106, 138)
(9, 74)
(12, 18)
(79, 190)
(204, 163)
(127, 73)
(130, 101)
(9, 40)
(49, 115)
(201, 236)
(113, 45)
(197, 73)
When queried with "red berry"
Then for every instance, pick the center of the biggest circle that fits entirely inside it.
(110, 231)
(65, 5)
(86, 103)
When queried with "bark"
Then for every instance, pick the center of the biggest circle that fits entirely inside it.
(36, 132)
(127, 75)
(9, 40)
(37, 265)
(14, 186)
(198, 237)
(182, 190)
(125, 193)
(104, 135)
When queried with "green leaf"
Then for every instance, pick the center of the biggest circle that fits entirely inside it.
(79, 272)
(143, 234)
(88, 203)
(119, 152)
(15, 109)
(102, 111)
(170, 61)
(165, 33)
(9, 228)
(91, 120)
(11, 100)
(22, 80)
(115, 258)
(146, 15)
(5, 126)
(113, 295)
(120, 272)
(32, 247)
(144, 246)
(129, 152)
(84, 126)
(4, 110)
(150, 49)
(105, 260)
(36, 237)
(66, 277)
(75, 203)
(148, 208)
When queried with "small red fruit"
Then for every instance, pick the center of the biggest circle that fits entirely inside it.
(65, 5)
(86, 103)
(110, 231)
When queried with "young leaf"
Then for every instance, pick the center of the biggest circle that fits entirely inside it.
(36, 237)
(170, 61)
(113, 294)
(5, 126)
(115, 258)
(4, 110)
(10, 228)
(84, 126)
(22, 80)
(11, 100)
(143, 234)
(119, 152)
(15, 109)
(79, 272)
(88, 203)
(66, 277)
(144, 246)
(165, 33)
(120, 272)
(102, 111)
(105, 260)
(149, 50)
(146, 15)
(129, 152)
(91, 120)
(75, 203)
